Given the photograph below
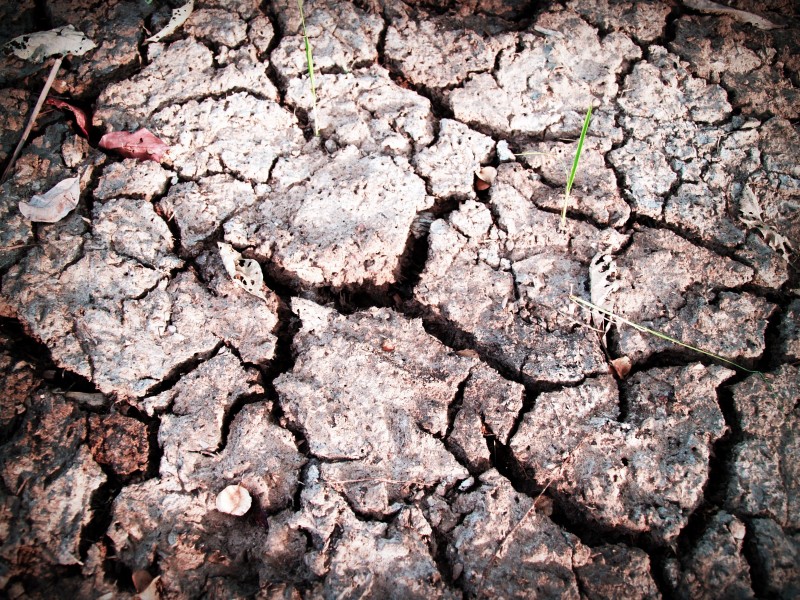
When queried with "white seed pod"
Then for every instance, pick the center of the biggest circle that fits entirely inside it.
(484, 178)
(234, 500)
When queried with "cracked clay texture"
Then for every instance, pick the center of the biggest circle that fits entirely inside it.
(412, 396)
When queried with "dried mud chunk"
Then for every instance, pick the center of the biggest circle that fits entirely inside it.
(197, 548)
(504, 549)
(489, 408)
(372, 413)
(789, 332)
(18, 381)
(353, 556)
(643, 21)
(132, 229)
(116, 28)
(715, 566)
(199, 209)
(197, 407)
(731, 325)
(16, 104)
(695, 209)
(725, 51)
(440, 52)
(645, 474)
(545, 85)
(51, 478)
(216, 135)
(595, 193)
(341, 34)
(219, 27)
(183, 71)
(764, 473)
(466, 282)
(346, 225)
(777, 556)
(134, 179)
(617, 572)
(368, 110)
(120, 443)
(449, 165)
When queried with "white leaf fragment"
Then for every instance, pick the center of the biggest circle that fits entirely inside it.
(54, 205)
(234, 500)
(178, 18)
(706, 6)
(751, 214)
(38, 46)
(245, 272)
(602, 283)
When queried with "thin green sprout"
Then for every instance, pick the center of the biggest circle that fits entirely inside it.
(310, 63)
(617, 319)
(574, 170)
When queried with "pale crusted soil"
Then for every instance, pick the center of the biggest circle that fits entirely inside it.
(414, 404)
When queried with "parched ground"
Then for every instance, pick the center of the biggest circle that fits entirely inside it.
(412, 400)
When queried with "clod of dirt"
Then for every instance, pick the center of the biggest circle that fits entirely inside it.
(547, 85)
(449, 165)
(531, 555)
(722, 50)
(617, 571)
(133, 178)
(643, 21)
(441, 52)
(183, 71)
(365, 108)
(193, 541)
(341, 35)
(507, 283)
(789, 333)
(52, 477)
(643, 474)
(374, 414)
(120, 443)
(199, 209)
(217, 27)
(347, 225)
(777, 555)
(357, 557)
(765, 465)
(487, 414)
(715, 566)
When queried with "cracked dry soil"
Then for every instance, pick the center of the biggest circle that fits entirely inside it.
(414, 407)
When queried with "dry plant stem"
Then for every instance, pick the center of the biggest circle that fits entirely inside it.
(616, 319)
(47, 85)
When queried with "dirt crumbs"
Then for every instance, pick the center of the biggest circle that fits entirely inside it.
(377, 362)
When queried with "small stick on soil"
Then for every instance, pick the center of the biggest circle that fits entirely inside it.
(48, 84)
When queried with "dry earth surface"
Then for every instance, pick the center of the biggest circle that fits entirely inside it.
(414, 404)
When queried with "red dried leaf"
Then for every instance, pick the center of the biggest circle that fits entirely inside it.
(141, 144)
(80, 116)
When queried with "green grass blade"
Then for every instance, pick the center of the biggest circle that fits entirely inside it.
(574, 170)
(617, 319)
(310, 63)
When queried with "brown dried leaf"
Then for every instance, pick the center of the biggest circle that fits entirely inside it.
(140, 144)
(54, 205)
(622, 366)
(80, 116)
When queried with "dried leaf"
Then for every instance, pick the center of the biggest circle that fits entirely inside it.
(153, 591)
(602, 283)
(706, 6)
(141, 144)
(245, 272)
(622, 366)
(38, 46)
(55, 204)
(178, 18)
(751, 214)
(484, 178)
(80, 116)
